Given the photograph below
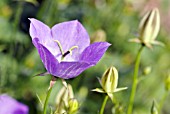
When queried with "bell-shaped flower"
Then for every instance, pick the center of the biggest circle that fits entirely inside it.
(65, 49)
(149, 29)
(9, 105)
(109, 82)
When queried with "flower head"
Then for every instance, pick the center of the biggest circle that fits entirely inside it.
(9, 105)
(65, 49)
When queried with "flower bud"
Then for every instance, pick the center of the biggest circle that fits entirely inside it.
(63, 97)
(147, 70)
(149, 26)
(154, 110)
(109, 80)
(73, 106)
(167, 83)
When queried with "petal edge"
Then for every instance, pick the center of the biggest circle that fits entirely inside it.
(49, 61)
(94, 52)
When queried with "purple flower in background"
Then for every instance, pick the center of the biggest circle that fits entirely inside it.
(65, 49)
(9, 105)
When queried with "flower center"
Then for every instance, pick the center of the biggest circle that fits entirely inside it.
(64, 54)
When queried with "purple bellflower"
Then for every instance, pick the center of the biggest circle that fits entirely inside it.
(9, 105)
(65, 49)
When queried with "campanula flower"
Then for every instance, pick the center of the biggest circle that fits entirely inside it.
(9, 105)
(65, 49)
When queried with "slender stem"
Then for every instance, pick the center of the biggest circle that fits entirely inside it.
(52, 82)
(135, 81)
(162, 101)
(104, 104)
(46, 100)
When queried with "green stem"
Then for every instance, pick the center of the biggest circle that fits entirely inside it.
(162, 101)
(46, 100)
(104, 104)
(135, 81)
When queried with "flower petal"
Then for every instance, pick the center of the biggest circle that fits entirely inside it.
(70, 34)
(49, 61)
(39, 30)
(9, 105)
(68, 70)
(43, 33)
(94, 52)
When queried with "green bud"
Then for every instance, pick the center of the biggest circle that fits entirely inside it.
(154, 110)
(73, 106)
(149, 29)
(63, 97)
(167, 83)
(149, 26)
(109, 80)
(147, 70)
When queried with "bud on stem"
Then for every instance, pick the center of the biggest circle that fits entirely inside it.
(73, 106)
(149, 28)
(154, 110)
(109, 80)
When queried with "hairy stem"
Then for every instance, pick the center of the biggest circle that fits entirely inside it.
(135, 81)
(104, 104)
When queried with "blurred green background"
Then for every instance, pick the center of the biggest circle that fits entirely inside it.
(115, 21)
